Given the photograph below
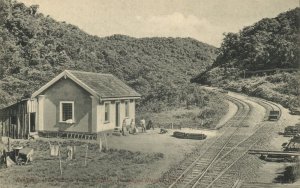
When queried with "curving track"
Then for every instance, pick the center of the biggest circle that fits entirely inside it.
(217, 148)
(228, 177)
(211, 167)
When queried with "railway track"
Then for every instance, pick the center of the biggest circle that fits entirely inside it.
(269, 106)
(218, 175)
(176, 173)
(211, 167)
(216, 148)
(228, 177)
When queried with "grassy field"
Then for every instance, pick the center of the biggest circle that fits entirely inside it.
(114, 167)
(196, 117)
(132, 161)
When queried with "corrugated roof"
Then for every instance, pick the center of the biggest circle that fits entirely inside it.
(105, 85)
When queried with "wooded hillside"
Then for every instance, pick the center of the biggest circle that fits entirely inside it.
(270, 44)
(34, 48)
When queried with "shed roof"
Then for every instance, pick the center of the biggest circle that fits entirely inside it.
(101, 85)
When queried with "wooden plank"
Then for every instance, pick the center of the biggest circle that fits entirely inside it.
(275, 153)
(6, 128)
(18, 126)
(257, 150)
(9, 126)
(2, 126)
(23, 124)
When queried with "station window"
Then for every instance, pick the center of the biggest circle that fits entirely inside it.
(66, 111)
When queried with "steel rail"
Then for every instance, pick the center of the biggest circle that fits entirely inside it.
(197, 159)
(241, 113)
(244, 153)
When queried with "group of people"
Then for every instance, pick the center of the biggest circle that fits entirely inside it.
(129, 124)
(145, 127)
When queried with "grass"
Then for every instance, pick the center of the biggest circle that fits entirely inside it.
(179, 117)
(282, 88)
(112, 167)
(206, 116)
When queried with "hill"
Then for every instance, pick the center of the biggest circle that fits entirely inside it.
(261, 60)
(34, 48)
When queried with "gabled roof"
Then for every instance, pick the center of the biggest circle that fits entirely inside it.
(97, 84)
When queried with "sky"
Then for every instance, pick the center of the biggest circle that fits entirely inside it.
(204, 20)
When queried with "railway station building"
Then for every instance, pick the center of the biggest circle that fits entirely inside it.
(73, 102)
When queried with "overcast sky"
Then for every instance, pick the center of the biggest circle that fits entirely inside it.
(204, 20)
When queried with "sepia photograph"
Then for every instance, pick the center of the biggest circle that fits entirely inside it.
(150, 93)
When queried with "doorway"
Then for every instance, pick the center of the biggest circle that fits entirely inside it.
(117, 114)
(32, 122)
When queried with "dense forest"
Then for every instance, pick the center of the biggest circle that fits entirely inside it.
(270, 44)
(34, 48)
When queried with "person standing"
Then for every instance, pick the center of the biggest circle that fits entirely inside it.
(133, 127)
(143, 125)
(150, 124)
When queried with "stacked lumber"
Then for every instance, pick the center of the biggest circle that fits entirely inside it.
(178, 134)
(196, 136)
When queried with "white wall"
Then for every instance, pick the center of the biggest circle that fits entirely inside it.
(102, 125)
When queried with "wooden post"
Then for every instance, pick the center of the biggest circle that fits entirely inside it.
(100, 144)
(86, 150)
(49, 148)
(9, 126)
(18, 121)
(8, 144)
(172, 125)
(18, 126)
(106, 145)
(71, 152)
(1, 125)
(60, 167)
(26, 134)
(28, 123)
(5, 127)
(23, 123)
